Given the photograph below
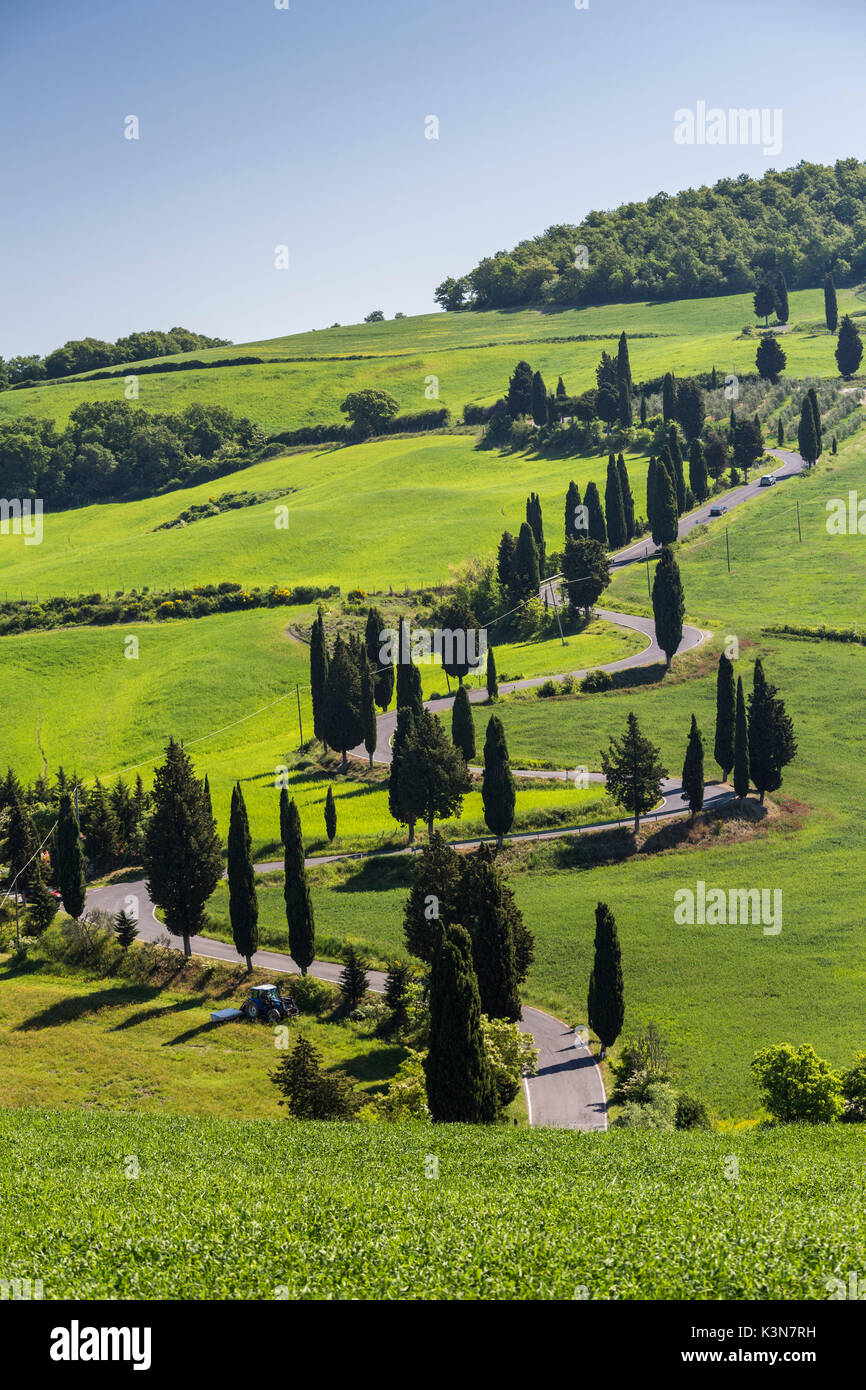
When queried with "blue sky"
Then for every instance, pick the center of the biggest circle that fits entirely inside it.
(306, 127)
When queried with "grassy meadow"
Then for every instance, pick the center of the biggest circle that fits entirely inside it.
(471, 354)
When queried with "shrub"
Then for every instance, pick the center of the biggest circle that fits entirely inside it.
(406, 1096)
(691, 1113)
(545, 691)
(510, 1054)
(854, 1089)
(797, 1084)
(596, 680)
(311, 995)
(658, 1111)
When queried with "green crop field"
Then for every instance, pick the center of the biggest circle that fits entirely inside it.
(511, 1215)
(471, 355)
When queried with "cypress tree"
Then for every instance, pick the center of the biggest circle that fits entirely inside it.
(435, 898)
(633, 772)
(770, 359)
(834, 445)
(679, 477)
(561, 392)
(505, 566)
(698, 471)
(605, 1002)
(665, 527)
(460, 1087)
(183, 853)
(343, 726)
(527, 573)
(643, 410)
(849, 348)
(627, 498)
(519, 398)
(623, 366)
(330, 814)
(651, 492)
(771, 735)
(353, 982)
(624, 406)
(732, 427)
(398, 804)
(816, 411)
(693, 771)
(433, 774)
(492, 682)
(489, 912)
(781, 292)
(101, 835)
(68, 859)
(831, 309)
(243, 902)
(572, 502)
(382, 670)
(764, 300)
(396, 994)
(534, 518)
(125, 929)
(41, 907)
(299, 907)
(462, 726)
(691, 408)
(780, 433)
(807, 438)
(368, 708)
(318, 675)
(668, 604)
(409, 694)
(497, 789)
(669, 397)
(725, 716)
(596, 528)
(539, 399)
(614, 508)
(741, 745)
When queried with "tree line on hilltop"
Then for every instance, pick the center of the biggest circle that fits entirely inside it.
(89, 354)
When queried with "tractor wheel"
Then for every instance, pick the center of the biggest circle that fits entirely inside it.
(274, 1015)
(250, 1009)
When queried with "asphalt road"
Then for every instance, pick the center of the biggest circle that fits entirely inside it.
(568, 1091)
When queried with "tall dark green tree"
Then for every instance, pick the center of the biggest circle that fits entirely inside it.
(183, 853)
(408, 676)
(299, 906)
(691, 408)
(725, 716)
(643, 411)
(849, 348)
(436, 898)
(741, 745)
(490, 925)
(561, 392)
(433, 775)
(368, 708)
(770, 358)
(101, 832)
(243, 899)
(668, 604)
(771, 735)
(816, 411)
(539, 399)
(633, 772)
(596, 528)
(781, 291)
(623, 366)
(68, 859)
(354, 980)
(330, 814)
(627, 498)
(534, 517)
(382, 669)
(665, 525)
(586, 568)
(807, 436)
(693, 771)
(22, 845)
(527, 572)
(605, 1001)
(398, 801)
(460, 1086)
(614, 508)
(462, 725)
(492, 682)
(572, 502)
(831, 309)
(698, 471)
(342, 722)
(780, 433)
(748, 444)
(519, 397)
(505, 570)
(650, 491)
(669, 397)
(318, 675)
(676, 458)
(765, 301)
(125, 929)
(497, 789)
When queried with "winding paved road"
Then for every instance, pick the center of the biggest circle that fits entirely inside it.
(567, 1091)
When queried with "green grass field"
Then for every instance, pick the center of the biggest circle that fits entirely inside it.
(308, 1212)
(74, 1041)
(471, 354)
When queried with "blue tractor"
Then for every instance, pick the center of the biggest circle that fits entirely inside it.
(265, 1002)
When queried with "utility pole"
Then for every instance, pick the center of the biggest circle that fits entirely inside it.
(300, 725)
(556, 609)
(728, 549)
(799, 532)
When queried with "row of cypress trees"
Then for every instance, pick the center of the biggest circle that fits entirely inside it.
(345, 686)
(755, 741)
(243, 899)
